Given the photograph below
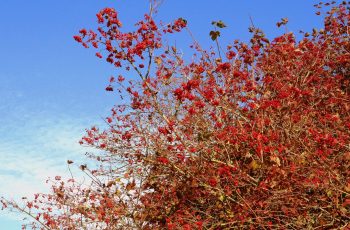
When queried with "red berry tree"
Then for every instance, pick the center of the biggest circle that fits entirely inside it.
(253, 136)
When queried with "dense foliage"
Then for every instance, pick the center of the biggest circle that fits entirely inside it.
(251, 136)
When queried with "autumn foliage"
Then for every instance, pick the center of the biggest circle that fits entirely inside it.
(249, 136)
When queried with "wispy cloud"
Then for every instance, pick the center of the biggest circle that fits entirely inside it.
(38, 135)
(33, 147)
(38, 150)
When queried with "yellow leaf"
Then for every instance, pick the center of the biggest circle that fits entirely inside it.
(329, 193)
(229, 213)
(158, 60)
(254, 165)
(276, 160)
(344, 210)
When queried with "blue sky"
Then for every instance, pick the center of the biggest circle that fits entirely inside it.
(51, 88)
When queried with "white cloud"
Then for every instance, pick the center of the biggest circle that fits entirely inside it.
(36, 140)
(38, 150)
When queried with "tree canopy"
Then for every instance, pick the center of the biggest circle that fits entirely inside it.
(244, 136)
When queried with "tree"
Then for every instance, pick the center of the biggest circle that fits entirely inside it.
(251, 136)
